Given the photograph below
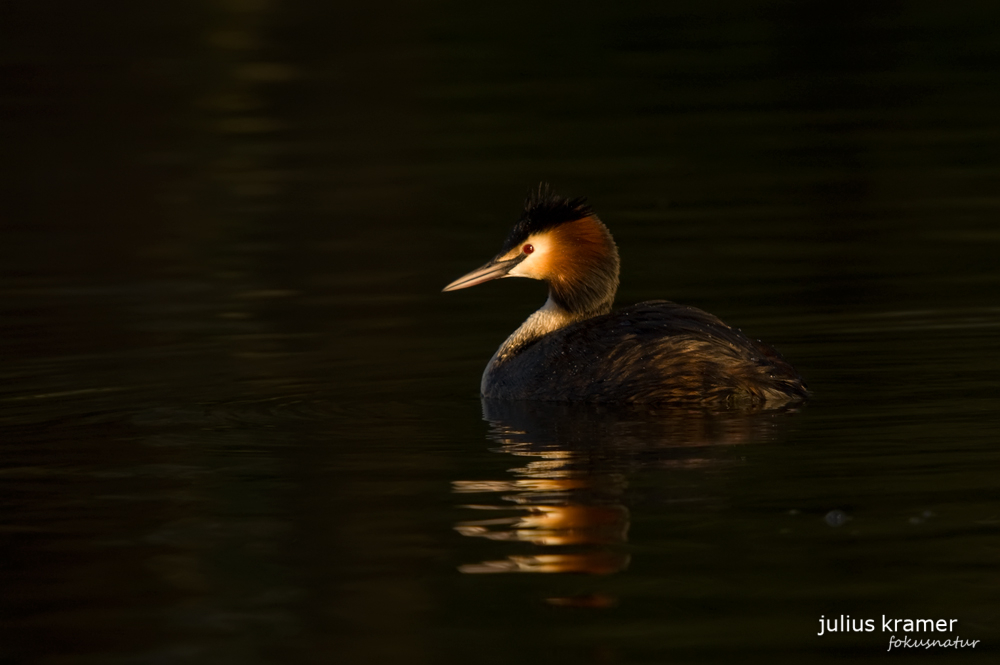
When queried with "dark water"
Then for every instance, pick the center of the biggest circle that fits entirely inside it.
(240, 424)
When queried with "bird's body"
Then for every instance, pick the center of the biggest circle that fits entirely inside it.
(575, 349)
(655, 351)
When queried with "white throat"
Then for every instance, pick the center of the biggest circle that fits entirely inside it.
(549, 318)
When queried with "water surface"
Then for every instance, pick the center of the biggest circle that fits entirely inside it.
(240, 423)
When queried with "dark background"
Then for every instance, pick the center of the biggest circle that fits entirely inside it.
(239, 423)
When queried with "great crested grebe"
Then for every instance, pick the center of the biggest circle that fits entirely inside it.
(575, 349)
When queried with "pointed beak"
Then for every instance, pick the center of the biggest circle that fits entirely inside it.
(493, 270)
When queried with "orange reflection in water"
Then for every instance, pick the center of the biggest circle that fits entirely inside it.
(568, 496)
(594, 563)
(553, 525)
(556, 505)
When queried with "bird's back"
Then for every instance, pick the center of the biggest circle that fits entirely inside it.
(655, 351)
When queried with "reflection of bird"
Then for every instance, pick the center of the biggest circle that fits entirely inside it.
(575, 349)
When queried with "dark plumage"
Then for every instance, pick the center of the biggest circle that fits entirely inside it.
(655, 351)
(573, 349)
(544, 210)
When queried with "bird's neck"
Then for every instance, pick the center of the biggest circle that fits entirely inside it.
(586, 278)
(583, 287)
(549, 318)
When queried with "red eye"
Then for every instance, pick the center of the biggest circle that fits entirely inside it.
(527, 249)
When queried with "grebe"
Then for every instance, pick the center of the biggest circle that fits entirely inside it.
(575, 349)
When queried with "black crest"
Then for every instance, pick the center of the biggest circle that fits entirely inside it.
(543, 210)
